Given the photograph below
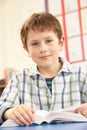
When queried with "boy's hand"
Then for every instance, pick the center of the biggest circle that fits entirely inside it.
(20, 114)
(82, 109)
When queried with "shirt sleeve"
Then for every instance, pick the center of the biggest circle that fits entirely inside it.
(10, 96)
(83, 85)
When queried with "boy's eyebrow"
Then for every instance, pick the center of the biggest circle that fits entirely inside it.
(35, 40)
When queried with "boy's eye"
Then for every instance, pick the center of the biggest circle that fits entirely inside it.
(33, 44)
(49, 41)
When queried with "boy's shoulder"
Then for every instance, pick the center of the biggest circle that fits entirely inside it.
(28, 71)
(79, 67)
(74, 67)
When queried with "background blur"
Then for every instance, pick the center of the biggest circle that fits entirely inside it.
(72, 15)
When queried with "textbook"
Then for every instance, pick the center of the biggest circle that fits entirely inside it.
(57, 116)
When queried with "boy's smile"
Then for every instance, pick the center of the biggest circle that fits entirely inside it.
(44, 57)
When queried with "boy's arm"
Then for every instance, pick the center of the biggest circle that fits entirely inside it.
(7, 99)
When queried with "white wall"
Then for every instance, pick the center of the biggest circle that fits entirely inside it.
(12, 15)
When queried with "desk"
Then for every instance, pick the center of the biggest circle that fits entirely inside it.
(66, 126)
(2, 83)
(2, 86)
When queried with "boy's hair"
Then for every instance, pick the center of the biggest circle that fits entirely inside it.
(40, 22)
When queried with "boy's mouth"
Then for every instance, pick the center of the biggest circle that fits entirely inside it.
(44, 57)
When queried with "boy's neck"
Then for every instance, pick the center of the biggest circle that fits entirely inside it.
(50, 72)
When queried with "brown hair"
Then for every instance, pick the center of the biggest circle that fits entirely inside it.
(40, 22)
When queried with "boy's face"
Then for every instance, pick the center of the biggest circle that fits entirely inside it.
(44, 47)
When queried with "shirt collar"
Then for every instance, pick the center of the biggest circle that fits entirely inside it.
(67, 67)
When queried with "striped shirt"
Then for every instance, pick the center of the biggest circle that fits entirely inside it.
(29, 87)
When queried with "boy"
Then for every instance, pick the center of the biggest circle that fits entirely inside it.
(52, 84)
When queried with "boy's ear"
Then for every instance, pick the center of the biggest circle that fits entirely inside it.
(61, 43)
(62, 40)
(26, 49)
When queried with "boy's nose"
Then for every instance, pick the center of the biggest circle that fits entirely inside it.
(43, 48)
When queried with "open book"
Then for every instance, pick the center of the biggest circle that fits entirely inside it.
(57, 116)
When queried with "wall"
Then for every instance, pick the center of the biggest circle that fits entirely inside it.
(12, 15)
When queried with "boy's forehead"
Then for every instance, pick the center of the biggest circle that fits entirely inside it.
(39, 29)
(36, 31)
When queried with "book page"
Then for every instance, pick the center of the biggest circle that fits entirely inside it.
(9, 123)
(65, 117)
(39, 116)
(70, 109)
(67, 114)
